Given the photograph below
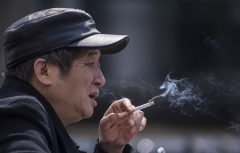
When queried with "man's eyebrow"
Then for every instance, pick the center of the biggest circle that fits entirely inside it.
(92, 54)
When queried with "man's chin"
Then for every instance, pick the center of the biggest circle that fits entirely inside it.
(88, 115)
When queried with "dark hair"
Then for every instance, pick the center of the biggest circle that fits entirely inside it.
(63, 58)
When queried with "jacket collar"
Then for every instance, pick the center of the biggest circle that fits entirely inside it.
(12, 83)
(18, 86)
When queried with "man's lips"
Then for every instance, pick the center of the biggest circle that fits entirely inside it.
(93, 96)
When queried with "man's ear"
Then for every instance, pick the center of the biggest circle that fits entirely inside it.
(40, 70)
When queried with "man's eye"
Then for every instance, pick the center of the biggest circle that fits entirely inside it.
(93, 63)
(90, 63)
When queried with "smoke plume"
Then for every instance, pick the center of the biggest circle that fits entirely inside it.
(202, 94)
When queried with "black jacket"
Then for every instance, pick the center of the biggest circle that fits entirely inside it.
(29, 124)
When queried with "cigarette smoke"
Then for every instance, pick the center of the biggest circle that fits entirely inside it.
(182, 95)
(207, 95)
(223, 97)
(137, 90)
(210, 41)
(203, 94)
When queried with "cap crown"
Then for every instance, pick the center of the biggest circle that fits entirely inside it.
(44, 31)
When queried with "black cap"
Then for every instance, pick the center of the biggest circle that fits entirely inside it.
(47, 30)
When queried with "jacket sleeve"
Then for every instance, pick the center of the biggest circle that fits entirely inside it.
(22, 128)
(127, 149)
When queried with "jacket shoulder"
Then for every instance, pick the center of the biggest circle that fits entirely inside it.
(24, 123)
(24, 106)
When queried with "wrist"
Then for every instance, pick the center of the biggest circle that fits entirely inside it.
(111, 147)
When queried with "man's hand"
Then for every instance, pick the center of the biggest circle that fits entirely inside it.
(115, 130)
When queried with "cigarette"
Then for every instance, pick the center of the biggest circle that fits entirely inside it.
(146, 105)
(140, 107)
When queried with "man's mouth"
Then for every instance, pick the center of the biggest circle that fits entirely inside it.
(94, 95)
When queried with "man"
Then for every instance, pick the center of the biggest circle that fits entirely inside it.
(53, 77)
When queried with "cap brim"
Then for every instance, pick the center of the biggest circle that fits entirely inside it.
(107, 43)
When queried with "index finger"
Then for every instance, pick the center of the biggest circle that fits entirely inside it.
(126, 105)
(121, 105)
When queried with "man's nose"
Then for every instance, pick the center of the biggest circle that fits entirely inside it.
(100, 79)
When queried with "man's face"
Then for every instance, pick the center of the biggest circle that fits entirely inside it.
(75, 93)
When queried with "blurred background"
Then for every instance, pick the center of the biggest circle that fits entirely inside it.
(195, 43)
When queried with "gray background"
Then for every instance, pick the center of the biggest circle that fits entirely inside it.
(198, 40)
